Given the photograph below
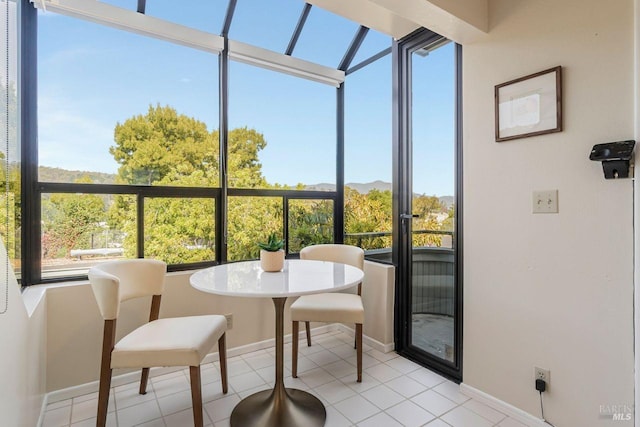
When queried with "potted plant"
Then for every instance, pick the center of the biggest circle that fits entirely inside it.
(271, 253)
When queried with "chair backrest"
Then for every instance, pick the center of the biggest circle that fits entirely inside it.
(116, 281)
(345, 254)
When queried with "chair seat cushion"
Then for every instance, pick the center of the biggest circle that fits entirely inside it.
(331, 307)
(180, 341)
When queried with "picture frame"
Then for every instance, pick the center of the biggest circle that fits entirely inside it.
(529, 106)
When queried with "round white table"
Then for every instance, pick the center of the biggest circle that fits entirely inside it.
(280, 407)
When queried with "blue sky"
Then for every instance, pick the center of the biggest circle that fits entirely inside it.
(92, 77)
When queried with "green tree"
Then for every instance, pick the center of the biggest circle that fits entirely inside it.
(165, 148)
(427, 205)
(368, 213)
(245, 169)
(149, 147)
(72, 219)
(310, 223)
(250, 220)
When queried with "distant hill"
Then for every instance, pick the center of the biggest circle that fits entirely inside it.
(368, 186)
(49, 174)
(360, 188)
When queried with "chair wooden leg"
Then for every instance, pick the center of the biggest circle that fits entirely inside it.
(143, 381)
(108, 341)
(196, 396)
(103, 397)
(308, 328)
(222, 355)
(294, 348)
(359, 350)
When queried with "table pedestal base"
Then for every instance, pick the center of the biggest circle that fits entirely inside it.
(279, 408)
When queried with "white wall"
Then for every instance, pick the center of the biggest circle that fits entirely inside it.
(22, 356)
(552, 290)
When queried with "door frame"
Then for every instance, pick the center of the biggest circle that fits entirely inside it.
(402, 191)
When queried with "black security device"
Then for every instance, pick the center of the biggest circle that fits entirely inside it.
(615, 158)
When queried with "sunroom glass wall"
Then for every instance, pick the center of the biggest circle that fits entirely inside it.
(368, 199)
(82, 230)
(120, 112)
(141, 120)
(116, 107)
(282, 131)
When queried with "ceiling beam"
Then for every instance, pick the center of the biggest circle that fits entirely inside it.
(353, 48)
(298, 30)
(228, 17)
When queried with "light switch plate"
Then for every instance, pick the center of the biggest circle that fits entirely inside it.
(545, 201)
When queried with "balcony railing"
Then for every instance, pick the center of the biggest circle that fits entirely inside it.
(433, 270)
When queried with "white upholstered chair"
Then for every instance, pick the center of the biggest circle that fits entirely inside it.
(330, 307)
(181, 341)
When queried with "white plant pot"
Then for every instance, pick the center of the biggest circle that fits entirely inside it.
(271, 261)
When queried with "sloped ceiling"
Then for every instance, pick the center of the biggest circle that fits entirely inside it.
(463, 21)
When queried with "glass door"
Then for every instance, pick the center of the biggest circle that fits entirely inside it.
(429, 287)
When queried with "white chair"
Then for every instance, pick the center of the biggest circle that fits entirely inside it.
(181, 341)
(330, 307)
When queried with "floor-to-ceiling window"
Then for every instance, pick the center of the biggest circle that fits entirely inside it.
(368, 177)
(290, 162)
(117, 115)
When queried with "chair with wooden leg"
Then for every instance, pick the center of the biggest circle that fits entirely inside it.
(180, 341)
(330, 307)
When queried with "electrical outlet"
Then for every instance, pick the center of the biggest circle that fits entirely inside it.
(542, 374)
(545, 201)
(229, 321)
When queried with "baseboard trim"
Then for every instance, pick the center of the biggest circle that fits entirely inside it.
(373, 343)
(502, 406)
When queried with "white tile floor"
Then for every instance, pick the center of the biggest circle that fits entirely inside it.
(394, 392)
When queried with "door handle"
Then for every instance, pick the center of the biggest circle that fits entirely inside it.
(409, 216)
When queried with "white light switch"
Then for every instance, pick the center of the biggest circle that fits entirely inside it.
(545, 201)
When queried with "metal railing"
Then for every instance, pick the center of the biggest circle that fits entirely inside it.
(433, 271)
(375, 234)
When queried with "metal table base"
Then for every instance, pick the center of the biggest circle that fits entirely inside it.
(280, 407)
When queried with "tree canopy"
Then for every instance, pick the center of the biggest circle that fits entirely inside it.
(162, 142)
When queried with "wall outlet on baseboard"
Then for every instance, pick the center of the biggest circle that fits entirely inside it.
(229, 320)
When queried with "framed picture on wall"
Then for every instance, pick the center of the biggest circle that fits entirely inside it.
(529, 106)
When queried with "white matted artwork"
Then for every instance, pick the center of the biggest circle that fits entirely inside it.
(529, 106)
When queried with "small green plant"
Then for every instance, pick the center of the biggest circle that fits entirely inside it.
(272, 244)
